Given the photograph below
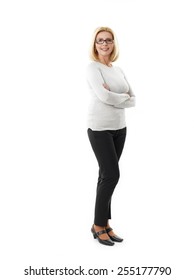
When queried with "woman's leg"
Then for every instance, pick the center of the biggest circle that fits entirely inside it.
(105, 149)
(119, 141)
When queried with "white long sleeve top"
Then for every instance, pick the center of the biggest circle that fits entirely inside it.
(107, 107)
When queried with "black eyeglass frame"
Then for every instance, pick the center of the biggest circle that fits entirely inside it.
(107, 41)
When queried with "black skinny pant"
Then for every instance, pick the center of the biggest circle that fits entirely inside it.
(107, 146)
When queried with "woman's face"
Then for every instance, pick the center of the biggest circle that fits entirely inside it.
(104, 43)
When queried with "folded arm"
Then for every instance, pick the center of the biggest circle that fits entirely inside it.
(127, 104)
(130, 102)
(96, 82)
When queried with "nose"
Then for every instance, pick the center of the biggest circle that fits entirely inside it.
(105, 42)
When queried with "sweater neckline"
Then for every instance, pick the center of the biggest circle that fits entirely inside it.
(104, 64)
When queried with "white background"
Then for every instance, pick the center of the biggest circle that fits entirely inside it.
(48, 170)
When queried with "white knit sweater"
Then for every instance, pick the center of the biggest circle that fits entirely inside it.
(107, 108)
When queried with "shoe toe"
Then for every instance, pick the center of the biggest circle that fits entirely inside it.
(108, 242)
(116, 238)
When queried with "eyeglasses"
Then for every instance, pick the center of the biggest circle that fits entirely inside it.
(107, 41)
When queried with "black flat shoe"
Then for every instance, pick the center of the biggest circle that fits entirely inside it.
(115, 238)
(96, 235)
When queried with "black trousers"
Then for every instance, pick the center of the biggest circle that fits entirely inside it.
(107, 146)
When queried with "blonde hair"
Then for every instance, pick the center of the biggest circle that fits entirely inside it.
(93, 52)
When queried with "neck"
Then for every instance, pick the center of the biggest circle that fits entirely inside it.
(105, 60)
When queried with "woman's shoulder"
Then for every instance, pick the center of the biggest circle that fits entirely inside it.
(92, 67)
(118, 67)
(93, 64)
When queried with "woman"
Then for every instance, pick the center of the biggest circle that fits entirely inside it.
(110, 95)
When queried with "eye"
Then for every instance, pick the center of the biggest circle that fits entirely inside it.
(100, 41)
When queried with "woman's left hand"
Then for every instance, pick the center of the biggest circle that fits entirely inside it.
(106, 86)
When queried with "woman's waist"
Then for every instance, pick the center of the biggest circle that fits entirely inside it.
(99, 107)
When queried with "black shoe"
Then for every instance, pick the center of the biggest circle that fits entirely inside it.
(108, 242)
(115, 238)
